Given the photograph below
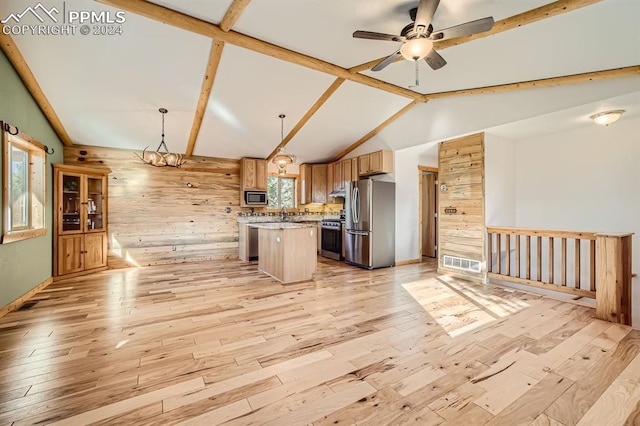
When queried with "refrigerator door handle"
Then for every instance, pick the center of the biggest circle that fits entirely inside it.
(356, 204)
(350, 232)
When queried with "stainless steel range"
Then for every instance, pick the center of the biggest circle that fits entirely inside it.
(331, 243)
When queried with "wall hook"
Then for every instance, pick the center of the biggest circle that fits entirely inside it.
(46, 149)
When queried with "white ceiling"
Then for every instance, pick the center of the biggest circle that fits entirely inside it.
(107, 89)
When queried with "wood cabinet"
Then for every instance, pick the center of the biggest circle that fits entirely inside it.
(80, 220)
(346, 172)
(319, 183)
(375, 163)
(355, 173)
(338, 176)
(253, 176)
(304, 184)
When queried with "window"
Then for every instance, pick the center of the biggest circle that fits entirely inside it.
(281, 192)
(23, 195)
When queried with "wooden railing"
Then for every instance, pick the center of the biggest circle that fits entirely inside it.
(583, 264)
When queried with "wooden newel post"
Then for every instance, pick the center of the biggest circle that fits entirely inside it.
(613, 278)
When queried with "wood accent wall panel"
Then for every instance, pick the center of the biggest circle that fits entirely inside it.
(156, 218)
(462, 234)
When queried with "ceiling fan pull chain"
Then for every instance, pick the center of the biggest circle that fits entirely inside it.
(417, 74)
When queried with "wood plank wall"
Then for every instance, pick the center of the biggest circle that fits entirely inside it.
(462, 234)
(155, 217)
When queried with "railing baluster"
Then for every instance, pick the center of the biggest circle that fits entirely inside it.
(518, 255)
(592, 265)
(577, 262)
(508, 257)
(564, 262)
(539, 246)
(551, 239)
(490, 255)
(528, 257)
(498, 263)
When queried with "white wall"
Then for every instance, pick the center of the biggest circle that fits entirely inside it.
(587, 180)
(500, 181)
(406, 162)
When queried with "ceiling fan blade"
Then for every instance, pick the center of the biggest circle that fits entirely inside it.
(386, 61)
(370, 35)
(468, 28)
(434, 60)
(424, 15)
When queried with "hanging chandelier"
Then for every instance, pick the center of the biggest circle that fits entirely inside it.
(166, 158)
(282, 159)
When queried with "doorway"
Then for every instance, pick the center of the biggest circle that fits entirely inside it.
(428, 180)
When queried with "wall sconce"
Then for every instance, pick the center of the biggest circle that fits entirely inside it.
(607, 117)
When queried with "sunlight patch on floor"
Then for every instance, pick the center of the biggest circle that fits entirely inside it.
(459, 307)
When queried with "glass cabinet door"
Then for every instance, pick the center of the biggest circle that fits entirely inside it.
(71, 203)
(95, 196)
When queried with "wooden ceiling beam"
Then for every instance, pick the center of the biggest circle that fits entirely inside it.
(375, 131)
(323, 98)
(189, 23)
(205, 91)
(233, 14)
(545, 82)
(547, 11)
(20, 65)
(217, 47)
(316, 106)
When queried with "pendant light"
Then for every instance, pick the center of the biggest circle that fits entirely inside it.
(165, 158)
(282, 159)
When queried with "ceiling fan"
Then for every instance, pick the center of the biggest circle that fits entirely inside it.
(417, 37)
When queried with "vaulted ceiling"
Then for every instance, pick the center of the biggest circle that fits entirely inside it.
(261, 58)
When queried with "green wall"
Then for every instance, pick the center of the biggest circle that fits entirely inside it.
(25, 264)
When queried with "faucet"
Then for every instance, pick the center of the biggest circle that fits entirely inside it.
(283, 213)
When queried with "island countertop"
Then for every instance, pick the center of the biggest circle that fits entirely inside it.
(282, 225)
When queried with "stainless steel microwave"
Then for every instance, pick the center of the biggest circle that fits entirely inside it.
(255, 198)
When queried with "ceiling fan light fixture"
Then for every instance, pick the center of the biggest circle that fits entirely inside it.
(607, 117)
(416, 48)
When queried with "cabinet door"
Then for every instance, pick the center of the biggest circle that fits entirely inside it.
(355, 173)
(363, 165)
(94, 203)
(69, 203)
(304, 188)
(375, 162)
(249, 173)
(70, 249)
(346, 172)
(95, 254)
(338, 181)
(261, 175)
(319, 183)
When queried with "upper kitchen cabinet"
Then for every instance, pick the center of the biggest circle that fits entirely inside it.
(254, 174)
(338, 176)
(375, 163)
(318, 183)
(304, 184)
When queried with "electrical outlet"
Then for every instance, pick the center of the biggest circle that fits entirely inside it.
(173, 248)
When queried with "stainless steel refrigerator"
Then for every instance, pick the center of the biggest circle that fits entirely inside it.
(370, 221)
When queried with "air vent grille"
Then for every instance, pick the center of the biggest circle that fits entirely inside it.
(461, 263)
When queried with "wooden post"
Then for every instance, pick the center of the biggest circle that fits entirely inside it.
(613, 278)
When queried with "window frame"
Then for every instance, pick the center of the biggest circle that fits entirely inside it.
(295, 190)
(12, 137)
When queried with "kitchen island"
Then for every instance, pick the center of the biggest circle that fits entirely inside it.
(287, 251)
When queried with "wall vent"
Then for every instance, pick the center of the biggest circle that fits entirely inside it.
(461, 263)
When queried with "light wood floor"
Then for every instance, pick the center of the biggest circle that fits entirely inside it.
(214, 342)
